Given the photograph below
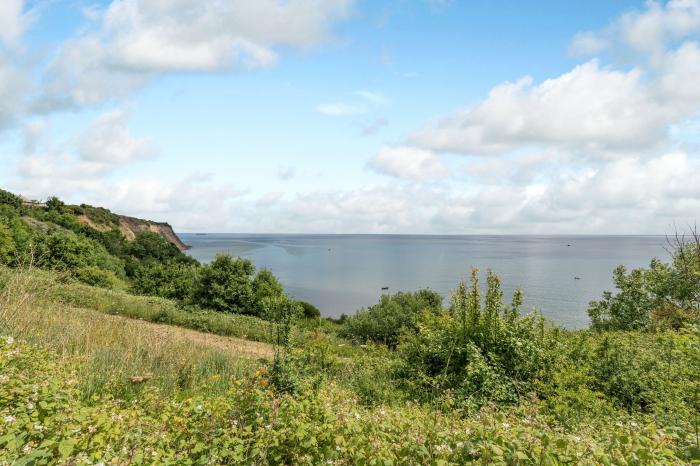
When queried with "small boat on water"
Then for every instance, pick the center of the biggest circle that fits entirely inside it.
(577, 278)
(385, 288)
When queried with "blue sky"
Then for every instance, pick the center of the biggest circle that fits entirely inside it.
(344, 116)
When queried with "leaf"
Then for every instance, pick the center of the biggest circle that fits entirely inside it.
(65, 448)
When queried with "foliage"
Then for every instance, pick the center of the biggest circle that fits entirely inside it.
(54, 204)
(383, 322)
(45, 420)
(480, 352)
(96, 276)
(661, 296)
(70, 252)
(172, 280)
(7, 198)
(309, 311)
(148, 245)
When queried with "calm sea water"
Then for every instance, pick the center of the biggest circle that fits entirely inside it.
(342, 273)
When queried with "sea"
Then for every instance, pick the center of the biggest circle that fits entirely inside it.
(339, 274)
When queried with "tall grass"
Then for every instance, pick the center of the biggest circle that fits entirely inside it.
(118, 355)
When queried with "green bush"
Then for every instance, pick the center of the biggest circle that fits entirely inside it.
(309, 311)
(173, 280)
(70, 252)
(7, 198)
(659, 297)
(383, 322)
(479, 352)
(95, 276)
(148, 245)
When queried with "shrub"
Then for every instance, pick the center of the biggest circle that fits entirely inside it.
(148, 245)
(95, 276)
(480, 352)
(54, 204)
(383, 322)
(70, 252)
(172, 280)
(309, 311)
(7, 198)
(226, 285)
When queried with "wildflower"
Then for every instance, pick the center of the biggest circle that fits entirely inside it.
(460, 444)
(30, 406)
(8, 419)
(4, 378)
(506, 425)
(9, 340)
(38, 427)
(27, 448)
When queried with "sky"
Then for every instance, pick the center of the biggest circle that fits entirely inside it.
(351, 116)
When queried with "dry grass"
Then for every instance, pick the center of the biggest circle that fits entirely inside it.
(118, 350)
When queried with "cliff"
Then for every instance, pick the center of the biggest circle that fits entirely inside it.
(129, 226)
(102, 219)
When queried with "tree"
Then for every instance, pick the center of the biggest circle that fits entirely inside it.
(660, 296)
(226, 285)
(7, 198)
(266, 285)
(54, 204)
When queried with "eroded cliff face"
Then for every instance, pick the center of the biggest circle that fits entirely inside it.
(129, 226)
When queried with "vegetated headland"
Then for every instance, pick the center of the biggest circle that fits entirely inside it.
(118, 348)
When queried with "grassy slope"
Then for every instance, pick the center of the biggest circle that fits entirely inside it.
(207, 401)
(114, 348)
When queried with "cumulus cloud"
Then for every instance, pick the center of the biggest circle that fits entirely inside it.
(588, 43)
(648, 31)
(135, 40)
(13, 90)
(109, 141)
(14, 21)
(79, 166)
(408, 163)
(589, 108)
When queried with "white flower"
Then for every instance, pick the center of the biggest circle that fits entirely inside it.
(9, 340)
(4, 378)
(30, 406)
(506, 425)
(460, 444)
(38, 427)
(8, 419)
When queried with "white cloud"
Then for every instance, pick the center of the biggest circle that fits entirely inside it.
(109, 141)
(589, 109)
(13, 21)
(341, 109)
(136, 40)
(375, 98)
(408, 163)
(82, 165)
(13, 89)
(588, 43)
(649, 31)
